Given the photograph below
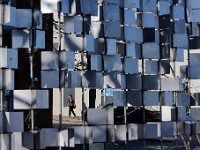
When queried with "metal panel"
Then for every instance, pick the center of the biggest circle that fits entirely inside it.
(9, 58)
(134, 98)
(133, 34)
(149, 20)
(68, 24)
(24, 18)
(67, 138)
(167, 98)
(49, 60)
(151, 82)
(67, 59)
(97, 29)
(119, 98)
(130, 17)
(181, 116)
(48, 6)
(51, 137)
(112, 29)
(111, 12)
(40, 39)
(85, 6)
(152, 130)
(73, 42)
(194, 29)
(151, 67)
(171, 84)
(9, 81)
(132, 4)
(66, 6)
(164, 21)
(133, 81)
(99, 134)
(163, 8)
(194, 58)
(1, 122)
(96, 62)
(193, 4)
(96, 146)
(194, 72)
(149, 34)
(193, 113)
(98, 13)
(49, 79)
(10, 122)
(112, 1)
(151, 98)
(149, 6)
(79, 134)
(168, 113)
(20, 39)
(178, 12)
(9, 15)
(97, 116)
(99, 46)
(89, 43)
(135, 131)
(180, 26)
(22, 99)
(183, 99)
(168, 129)
(42, 99)
(193, 15)
(133, 49)
(74, 79)
(112, 63)
(111, 46)
(150, 50)
(120, 133)
(92, 79)
(164, 66)
(131, 65)
(78, 24)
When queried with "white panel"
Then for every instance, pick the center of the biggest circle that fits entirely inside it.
(48, 6)
(120, 133)
(22, 99)
(171, 84)
(193, 15)
(9, 81)
(24, 18)
(67, 138)
(168, 113)
(20, 39)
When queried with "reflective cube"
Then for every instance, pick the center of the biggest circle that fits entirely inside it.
(9, 58)
(49, 60)
(20, 39)
(40, 39)
(9, 81)
(152, 130)
(97, 116)
(133, 49)
(92, 79)
(96, 62)
(69, 24)
(133, 81)
(112, 63)
(171, 84)
(67, 138)
(73, 42)
(130, 65)
(135, 131)
(151, 67)
(193, 16)
(78, 24)
(97, 132)
(111, 46)
(178, 12)
(181, 116)
(50, 79)
(164, 7)
(150, 50)
(66, 6)
(134, 97)
(183, 99)
(168, 129)
(130, 17)
(119, 98)
(112, 29)
(51, 138)
(9, 16)
(74, 79)
(67, 59)
(24, 18)
(149, 20)
(193, 113)
(180, 40)
(89, 43)
(150, 98)
(168, 113)
(151, 82)
(96, 146)
(164, 66)
(48, 6)
(133, 34)
(193, 4)
(111, 12)
(131, 4)
(97, 29)
(120, 132)
(149, 6)
(167, 98)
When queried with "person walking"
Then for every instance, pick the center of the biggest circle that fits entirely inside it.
(72, 105)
